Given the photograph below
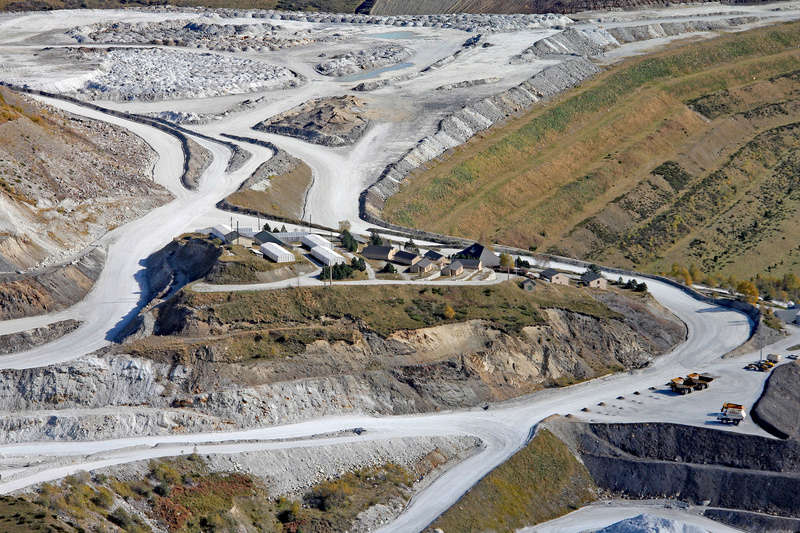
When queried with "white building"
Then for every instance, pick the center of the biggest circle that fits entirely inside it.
(291, 236)
(276, 253)
(326, 256)
(246, 231)
(311, 240)
(220, 231)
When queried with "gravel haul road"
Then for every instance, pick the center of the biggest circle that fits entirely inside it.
(340, 174)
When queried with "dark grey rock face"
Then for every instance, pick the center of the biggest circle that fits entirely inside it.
(777, 409)
(24, 340)
(691, 464)
(754, 522)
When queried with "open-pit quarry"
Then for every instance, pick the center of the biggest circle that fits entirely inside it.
(278, 389)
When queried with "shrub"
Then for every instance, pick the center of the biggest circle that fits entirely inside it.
(358, 263)
(329, 495)
(348, 241)
(748, 291)
(127, 522)
(389, 269)
(164, 473)
(338, 271)
(121, 488)
(103, 498)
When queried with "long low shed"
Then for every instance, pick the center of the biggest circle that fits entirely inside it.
(220, 231)
(276, 253)
(326, 256)
(291, 236)
(311, 240)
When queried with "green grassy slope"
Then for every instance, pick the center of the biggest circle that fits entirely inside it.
(540, 482)
(627, 169)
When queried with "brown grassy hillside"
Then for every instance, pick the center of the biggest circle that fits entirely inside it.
(422, 7)
(540, 482)
(685, 155)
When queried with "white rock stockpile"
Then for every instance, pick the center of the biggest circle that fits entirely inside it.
(163, 74)
(578, 42)
(192, 118)
(650, 523)
(628, 34)
(196, 34)
(368, 59)
(483, 23)
(457, 128)
(590, 42)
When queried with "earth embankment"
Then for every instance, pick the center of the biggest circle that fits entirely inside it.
(50, 290)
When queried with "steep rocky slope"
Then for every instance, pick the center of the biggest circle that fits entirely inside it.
(207, 370)
(722, 469)
(23, 340)
(64, 182)
(776, 410)
(49, 289)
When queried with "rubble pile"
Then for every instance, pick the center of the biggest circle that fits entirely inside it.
(148, 74)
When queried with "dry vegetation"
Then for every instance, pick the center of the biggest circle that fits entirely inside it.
(182, 495)
(538, 483)
(263, 327)
(389, 308)
(687, 155)
(284, 197)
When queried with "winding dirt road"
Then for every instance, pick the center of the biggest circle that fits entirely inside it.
(503, 429)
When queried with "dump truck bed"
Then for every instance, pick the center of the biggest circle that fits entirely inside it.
(729, 405)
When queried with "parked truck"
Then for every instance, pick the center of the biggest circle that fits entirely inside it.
(679, 386)
(765, 365)
(698, 381)
(774, 358)
(732, 413)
